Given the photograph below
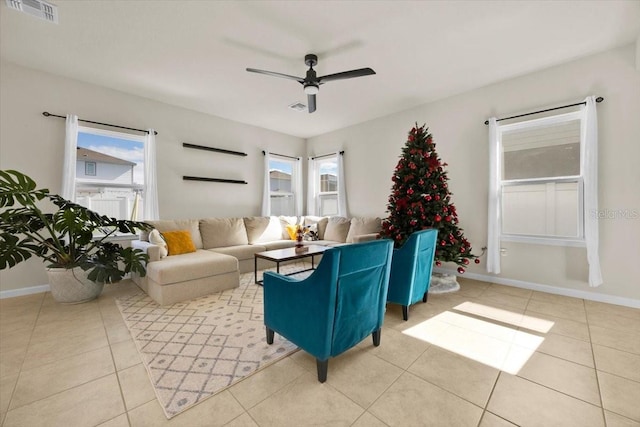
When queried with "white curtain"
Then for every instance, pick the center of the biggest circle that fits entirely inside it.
(150, 207)
(311, 187)
(266, 188)
(494, 213)
(342, 188)
(590, 174)
(70, 155)
(297, 186)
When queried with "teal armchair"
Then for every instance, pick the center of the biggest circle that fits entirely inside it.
(336, 307)
(411, 270)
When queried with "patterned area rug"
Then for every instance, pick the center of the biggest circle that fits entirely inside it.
(195, 349)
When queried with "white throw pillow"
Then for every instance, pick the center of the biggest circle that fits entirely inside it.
(155, 238)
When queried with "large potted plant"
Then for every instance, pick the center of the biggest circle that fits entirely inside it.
(72, 240)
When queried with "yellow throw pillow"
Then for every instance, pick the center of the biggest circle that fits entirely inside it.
(292, 231)
(179, 242)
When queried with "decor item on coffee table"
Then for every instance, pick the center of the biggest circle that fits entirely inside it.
(335, 308)
(420, 199)
(411, 270)
(197, 348)
(80, 261)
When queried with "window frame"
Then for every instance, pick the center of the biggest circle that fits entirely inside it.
(579, 240)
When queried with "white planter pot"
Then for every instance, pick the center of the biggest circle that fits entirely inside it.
(71, 286)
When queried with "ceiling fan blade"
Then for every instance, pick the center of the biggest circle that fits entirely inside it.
(271, 73)
(346, 75)
(311, 100)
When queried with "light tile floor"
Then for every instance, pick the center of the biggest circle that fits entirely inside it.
(488, 355)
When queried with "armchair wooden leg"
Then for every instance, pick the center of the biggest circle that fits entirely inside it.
(376, 337)
(270, 333)
(322, 366)
(425, 296)
(405, 312)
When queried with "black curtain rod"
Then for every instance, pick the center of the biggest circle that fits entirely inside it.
(281, 155)
(598, 99)
(47, 114)
(327, 155)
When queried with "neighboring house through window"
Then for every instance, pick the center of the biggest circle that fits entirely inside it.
(541, 180)
(325, 176)
(110, 172)
(281, 184)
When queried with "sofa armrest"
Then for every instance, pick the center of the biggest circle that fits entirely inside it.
(149, 248)
(365, 237)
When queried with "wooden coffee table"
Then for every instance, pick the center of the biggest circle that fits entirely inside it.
(288, 254)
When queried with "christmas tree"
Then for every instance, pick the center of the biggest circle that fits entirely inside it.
(420, 199)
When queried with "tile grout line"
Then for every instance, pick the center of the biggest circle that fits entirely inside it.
(595, 366)
(486, 405)
(115, 368)
(15, 386)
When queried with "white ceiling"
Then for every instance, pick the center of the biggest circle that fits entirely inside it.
(193, 54)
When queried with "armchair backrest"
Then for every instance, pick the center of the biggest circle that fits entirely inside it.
(338, 305)
(411, 268)
(361, 292)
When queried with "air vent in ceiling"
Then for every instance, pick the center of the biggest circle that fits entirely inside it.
(38, 8)
(298, 106)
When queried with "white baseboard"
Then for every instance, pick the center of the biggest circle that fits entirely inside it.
(575, 293)
(24, 291)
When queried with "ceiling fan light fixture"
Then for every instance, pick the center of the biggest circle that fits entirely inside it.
(311, 82)
(311, 89)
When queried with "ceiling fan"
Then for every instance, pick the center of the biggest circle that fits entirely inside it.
(311, 82)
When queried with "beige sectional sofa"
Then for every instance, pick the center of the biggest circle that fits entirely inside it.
(225, 247)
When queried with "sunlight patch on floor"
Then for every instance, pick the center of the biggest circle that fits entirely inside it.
(498, 346)
(505, 316)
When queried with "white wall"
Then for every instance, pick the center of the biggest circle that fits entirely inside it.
(372, 150)
(33, 144)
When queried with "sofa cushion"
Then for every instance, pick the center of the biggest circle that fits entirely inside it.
(195, 265)
(361, 226)
(192, 225)
(221, 232)
(242, 252)
(278, 244)
(179, 242)
(322, 222)
(337, 229)
(263, 229)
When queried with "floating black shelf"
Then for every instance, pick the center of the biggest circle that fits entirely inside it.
(228, 181)
(217, 150)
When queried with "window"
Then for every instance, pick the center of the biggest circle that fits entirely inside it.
(90, 168)
(541, 184)
(281, 185)
(110, 172)
(327, 185)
